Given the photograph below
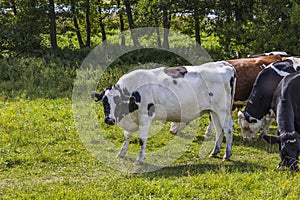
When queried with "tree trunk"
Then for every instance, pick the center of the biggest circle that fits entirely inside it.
(197, 28)
(130, 22)
(122, 27)
(102, 29)
(157, 32)
(52, 25)
(76, 25)
(88, 24)
(166, 26)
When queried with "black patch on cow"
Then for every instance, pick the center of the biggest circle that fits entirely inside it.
(231, 85)
(287, 66)
(151, 109)
(174, 82)
(137, 96)
(132, 104)
(106, 106)
(175, 72)
(141, 142)
(260, 99)
(211, 94)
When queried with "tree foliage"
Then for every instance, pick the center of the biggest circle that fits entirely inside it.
(225, 28)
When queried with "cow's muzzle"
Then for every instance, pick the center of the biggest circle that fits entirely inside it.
(109, 121)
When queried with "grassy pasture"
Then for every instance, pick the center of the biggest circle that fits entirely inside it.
(42, 157)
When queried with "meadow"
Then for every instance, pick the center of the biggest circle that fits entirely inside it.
(43, 157)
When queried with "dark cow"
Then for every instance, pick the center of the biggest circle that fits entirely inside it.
(286, 106)
(176, 94)
(247, 70)
(258, 112)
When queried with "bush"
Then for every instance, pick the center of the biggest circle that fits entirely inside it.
(48, 76)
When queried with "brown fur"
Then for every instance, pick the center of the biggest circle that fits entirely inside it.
(176, 72)
(247, 70)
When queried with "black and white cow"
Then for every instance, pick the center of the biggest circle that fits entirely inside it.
(176, 94)
(286, 105)
(258, 113)
(281, 53)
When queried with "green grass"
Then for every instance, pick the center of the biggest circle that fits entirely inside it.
(42, 157)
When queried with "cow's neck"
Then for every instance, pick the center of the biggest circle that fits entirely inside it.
(260, 100)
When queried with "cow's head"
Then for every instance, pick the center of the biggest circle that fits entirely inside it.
(250, 126)
(289, 148)
(117, 103)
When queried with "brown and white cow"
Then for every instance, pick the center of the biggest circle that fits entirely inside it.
(247, 70)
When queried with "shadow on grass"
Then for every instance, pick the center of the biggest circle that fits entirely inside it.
(182, 170)
(258, 144)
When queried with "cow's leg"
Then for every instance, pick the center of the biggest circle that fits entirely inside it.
(228, 130)
(127, 136)
(209, 128)
(144, 129)
(219, 135)
(224, 126)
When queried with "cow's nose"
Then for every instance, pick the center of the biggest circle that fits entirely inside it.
(109, 121)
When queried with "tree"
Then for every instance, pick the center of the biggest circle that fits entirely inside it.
(166, 25)
(122, 27)
(76, 25)
(131, 22)
(52, 24)
(88, 23)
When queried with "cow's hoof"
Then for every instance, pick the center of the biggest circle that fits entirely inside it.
(214, 156)
(173, 133)
(121, 155)
(208, 133)
(225, 159)
(138, 163)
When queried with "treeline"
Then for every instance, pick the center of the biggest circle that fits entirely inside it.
(225, 29)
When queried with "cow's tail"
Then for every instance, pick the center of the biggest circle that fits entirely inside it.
(233, 84)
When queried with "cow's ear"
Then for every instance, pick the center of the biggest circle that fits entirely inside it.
(97, 97)
(132, 104)
(271, 139)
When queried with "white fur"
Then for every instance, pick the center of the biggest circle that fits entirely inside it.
(203, 88)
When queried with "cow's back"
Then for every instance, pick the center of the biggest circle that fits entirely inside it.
(201, 88)
(247, 70)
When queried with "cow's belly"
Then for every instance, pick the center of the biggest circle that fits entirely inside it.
(180, 109)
